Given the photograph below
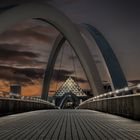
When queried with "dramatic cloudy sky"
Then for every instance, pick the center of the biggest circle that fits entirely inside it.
(25, 48)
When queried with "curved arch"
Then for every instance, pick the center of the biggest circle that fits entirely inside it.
(64, 25)
(110, 60)
(60, 40)
(115, 72)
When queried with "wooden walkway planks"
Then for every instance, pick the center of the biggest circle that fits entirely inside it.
(68, 125)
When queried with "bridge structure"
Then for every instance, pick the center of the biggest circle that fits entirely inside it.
(84, 122)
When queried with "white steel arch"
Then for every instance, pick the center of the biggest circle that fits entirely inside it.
(65, 26)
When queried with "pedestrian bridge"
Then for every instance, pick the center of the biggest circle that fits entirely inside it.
(68, 125)
(75, 124)
(83, 123)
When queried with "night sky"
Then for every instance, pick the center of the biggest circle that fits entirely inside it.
(25, 48)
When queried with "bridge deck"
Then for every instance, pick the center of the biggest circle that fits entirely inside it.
(68, 125)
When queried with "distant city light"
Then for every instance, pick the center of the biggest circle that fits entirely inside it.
(101, 96)
(117, 91)
(126, 89)
(138, 86)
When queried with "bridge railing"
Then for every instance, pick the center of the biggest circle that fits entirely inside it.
(119, 92)
(33, 99)
(8, 95)
(123, 102)
(12, 105)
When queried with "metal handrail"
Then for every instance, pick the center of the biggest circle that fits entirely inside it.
(118, 92)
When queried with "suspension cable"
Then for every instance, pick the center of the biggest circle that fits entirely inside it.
(74, 64)
(60, 65)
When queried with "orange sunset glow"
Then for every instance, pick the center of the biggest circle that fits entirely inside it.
(35, 90)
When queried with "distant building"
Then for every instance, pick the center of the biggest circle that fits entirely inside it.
(107, 87)
(69, 95)
(15, 89)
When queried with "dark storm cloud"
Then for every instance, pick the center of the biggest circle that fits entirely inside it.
(27, 44)
(31, 72)
(10, 47)
(7, 73)
(26, 34)
(28, 76)
(62, 75)
(29, 36)
(24, 76)
(14, 53)
(6, 53)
